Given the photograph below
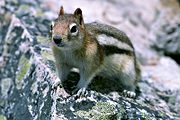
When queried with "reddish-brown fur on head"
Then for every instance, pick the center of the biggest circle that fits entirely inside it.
(68, 28)
(77, 15)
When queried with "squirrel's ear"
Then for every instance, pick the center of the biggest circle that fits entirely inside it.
(78, 12)
(61, 12)
(79, 16)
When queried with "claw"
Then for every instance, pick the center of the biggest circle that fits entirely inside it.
(56, 84)
(129, 94)
(79, 92)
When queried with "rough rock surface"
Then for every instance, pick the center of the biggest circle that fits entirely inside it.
(166, 34)
(27, 71)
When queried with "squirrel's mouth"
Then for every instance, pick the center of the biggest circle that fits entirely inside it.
(61, 44)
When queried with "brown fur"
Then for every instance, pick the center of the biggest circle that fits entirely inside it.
(61, 12)
(82, 50)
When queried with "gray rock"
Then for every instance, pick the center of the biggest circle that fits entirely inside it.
(165, 33)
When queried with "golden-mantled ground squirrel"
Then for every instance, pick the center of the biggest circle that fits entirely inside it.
(95, 49)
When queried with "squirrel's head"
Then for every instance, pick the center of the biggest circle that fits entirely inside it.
(68, 29)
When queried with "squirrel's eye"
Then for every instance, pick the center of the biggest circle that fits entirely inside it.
(51, 26)
(73, 29)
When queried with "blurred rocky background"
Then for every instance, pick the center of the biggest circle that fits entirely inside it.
(27, 71)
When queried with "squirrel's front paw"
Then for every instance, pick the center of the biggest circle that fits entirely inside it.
(79, 92)
(129, 94)
(56, 83)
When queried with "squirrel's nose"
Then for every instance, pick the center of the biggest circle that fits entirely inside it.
(57, 39)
